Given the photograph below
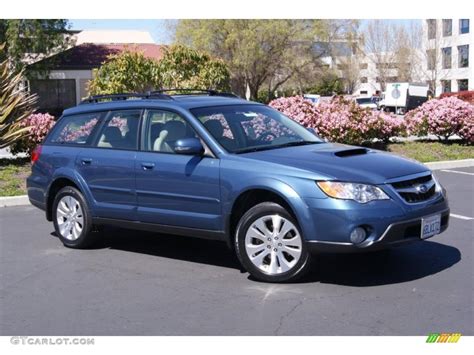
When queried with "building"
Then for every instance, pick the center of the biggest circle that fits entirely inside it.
(449, 54)
(71, 70)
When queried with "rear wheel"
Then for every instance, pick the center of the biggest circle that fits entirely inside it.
(269, 244)
(72, 220)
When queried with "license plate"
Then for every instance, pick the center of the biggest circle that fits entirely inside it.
(430, 226)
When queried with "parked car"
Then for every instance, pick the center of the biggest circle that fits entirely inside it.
(403, 97)
(215, 166)
(366, 102)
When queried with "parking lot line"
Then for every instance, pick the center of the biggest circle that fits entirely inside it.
(458, 172)
(461, 217)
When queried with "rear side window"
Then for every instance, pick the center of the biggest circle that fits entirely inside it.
(120, 131)
(75, 129)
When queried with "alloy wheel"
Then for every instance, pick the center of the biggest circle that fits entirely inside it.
(273, 244)
(69, 217)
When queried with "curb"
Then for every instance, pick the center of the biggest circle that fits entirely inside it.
(450, 164)
(23, 200)
(10, 201)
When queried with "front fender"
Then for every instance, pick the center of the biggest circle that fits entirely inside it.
(278, 187)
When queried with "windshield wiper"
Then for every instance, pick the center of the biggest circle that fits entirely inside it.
(268, 147)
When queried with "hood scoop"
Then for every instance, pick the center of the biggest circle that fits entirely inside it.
(351, 152)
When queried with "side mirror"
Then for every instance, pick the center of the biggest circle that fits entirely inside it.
(189, 146)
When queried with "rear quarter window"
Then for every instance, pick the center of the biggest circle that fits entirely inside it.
(75, 129)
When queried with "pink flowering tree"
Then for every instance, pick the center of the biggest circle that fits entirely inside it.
(443, 118)
(39, 124)
(341, 120)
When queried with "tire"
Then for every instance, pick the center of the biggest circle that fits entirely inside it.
(267, 255)
(72, 219)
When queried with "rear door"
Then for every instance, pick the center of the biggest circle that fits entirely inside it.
(175, 189)
(108, 167)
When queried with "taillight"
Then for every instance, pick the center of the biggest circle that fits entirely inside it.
(35, 155)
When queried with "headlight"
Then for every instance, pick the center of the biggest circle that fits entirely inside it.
(438, 187)
(352, 191)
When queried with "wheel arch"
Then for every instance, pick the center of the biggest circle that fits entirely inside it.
(277, 192)
(56, 185)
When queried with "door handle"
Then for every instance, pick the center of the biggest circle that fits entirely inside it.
(148, 166)
(86, 161)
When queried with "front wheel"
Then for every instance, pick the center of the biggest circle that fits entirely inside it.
(269, 244)
(72, 220)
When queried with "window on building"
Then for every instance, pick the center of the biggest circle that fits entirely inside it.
(431, 28)
(463, 55)
(446, 85)
(363, 66)
(363, 92)
(446, 57)
(463, 85)
(363, 80)
(463, 26)
(447, 28)
(431, 59)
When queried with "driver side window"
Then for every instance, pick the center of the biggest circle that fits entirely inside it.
(163, 129)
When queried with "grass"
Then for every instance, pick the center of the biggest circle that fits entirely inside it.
(432, 151)
(13, 173)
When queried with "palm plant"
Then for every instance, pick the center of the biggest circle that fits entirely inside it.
(15, 104)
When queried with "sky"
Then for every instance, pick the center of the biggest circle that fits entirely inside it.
(159, 29)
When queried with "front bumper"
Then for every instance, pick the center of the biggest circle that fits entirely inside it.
(395, 234)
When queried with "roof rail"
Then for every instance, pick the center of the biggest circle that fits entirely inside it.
(193, 91)
(125, 96)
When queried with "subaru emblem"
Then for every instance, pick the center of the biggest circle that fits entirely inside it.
(421, 188)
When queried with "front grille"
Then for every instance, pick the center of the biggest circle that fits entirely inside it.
(416, 190)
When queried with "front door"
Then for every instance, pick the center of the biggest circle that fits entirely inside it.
(175, 189)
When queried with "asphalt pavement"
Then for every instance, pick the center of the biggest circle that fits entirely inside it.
(138, 283)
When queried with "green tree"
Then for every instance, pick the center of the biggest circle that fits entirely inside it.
(128, 71)
(29, 40)
(257, 52)
(15, 104)
(183, 67)
(327, 85)
(180, 68)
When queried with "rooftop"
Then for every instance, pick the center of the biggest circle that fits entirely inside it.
(90, 55)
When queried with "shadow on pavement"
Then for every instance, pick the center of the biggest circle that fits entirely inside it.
(397, 265)
(402, 264)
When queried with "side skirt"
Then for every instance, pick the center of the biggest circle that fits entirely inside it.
(162, 228)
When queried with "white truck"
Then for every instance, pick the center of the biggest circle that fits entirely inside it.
(403, 97)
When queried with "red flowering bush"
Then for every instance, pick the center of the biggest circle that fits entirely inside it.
(443, 118)
(38, 125)
(341, 120)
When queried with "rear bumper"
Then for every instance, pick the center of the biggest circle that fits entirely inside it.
(395, 234)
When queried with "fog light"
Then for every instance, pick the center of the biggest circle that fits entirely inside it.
(358, 235)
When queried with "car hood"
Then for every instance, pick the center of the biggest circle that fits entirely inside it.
(342, 162)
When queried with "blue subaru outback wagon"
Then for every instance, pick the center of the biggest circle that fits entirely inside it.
(212, 165)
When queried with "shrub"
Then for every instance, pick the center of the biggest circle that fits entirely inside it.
(341, 120)
(37, 126)
(462, 95)
(15, 104)
(443, 118)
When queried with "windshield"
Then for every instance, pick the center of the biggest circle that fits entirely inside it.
(246, 128)
(365, 100)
